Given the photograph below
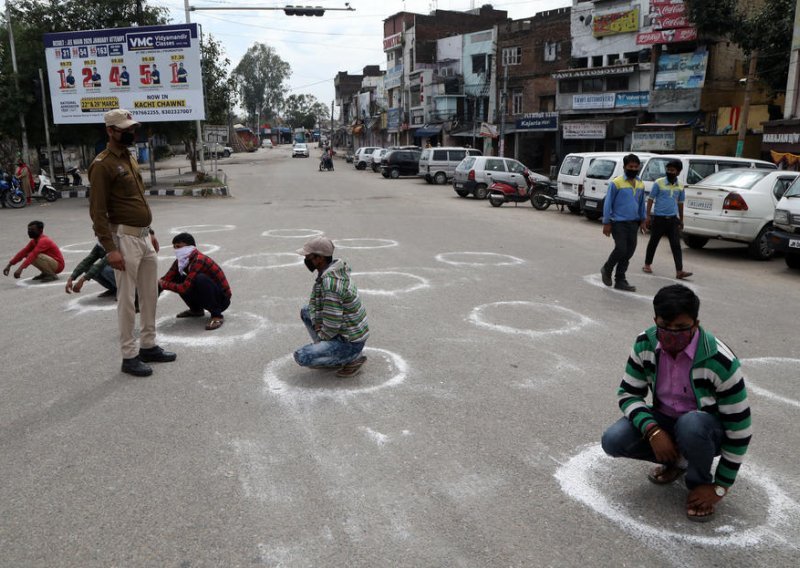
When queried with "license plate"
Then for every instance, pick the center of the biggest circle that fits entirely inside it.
(458, 185)
(794, 243)
(590, 204)
(704, 204)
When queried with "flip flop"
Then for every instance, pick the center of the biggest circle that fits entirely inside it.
(214, 323)
(665, 474)
(699, 518)
(647, 269)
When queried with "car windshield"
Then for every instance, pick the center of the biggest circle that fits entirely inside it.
(466, 163)
(655, 168)
(794, 189)
(572, 166)
(601, 169)
(737, 179)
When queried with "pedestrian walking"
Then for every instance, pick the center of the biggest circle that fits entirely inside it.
(41, 252)
(121, 220)
(623, 218)
(334, 317)
(665, 217)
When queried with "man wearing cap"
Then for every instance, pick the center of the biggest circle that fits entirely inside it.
(121, 220)
(335, 318)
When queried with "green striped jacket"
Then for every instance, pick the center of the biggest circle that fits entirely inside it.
(335, 307)
(718, 386)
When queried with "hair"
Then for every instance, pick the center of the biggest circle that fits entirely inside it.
(184, 238)
(675, 164)
(675, 300)
(631, 159)
(38, 224)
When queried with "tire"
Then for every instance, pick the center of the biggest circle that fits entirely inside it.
(695, 242)
(496, 201)
(15, 200)
(385, 174)
(440, 178)
(395, 173)
(321, 167)
(462, 193)
(361, 166)
(428, 180)
(574, 209)
(793, 260)
(226, 154)
(760, 248)
(539, 201)
(592, 215)
(481, 191)
(50, 194)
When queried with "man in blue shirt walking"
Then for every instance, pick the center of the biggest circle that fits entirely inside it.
(623, 218)
(666, 218)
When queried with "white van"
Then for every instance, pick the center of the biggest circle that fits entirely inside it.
(438, 165)
(696, 167)
(572, 174)
(601, 172)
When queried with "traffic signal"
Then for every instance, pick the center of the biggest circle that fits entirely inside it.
(304, 10)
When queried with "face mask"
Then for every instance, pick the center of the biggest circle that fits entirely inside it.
(32, 233)
(126, 138)
(630, 174)
(182, 254)
(674, 341)
(309, 265)
(671, 178)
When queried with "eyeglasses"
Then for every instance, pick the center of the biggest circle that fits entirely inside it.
(682, 328)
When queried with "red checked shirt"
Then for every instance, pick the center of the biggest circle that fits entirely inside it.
(198, 264)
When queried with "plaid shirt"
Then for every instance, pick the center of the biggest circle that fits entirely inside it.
(198, 264)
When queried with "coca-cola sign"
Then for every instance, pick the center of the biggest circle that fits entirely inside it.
(667, 9)
(671, 22)
(666, 36)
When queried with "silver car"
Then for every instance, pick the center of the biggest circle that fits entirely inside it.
(300, 149)
(475, 174)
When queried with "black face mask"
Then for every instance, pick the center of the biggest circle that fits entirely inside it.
(33, 233)
(630, 174)
(309, 265)
(672, 179)
(126, 138)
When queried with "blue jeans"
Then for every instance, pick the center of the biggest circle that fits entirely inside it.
(698, 436)
(106, 278)
(333, 353)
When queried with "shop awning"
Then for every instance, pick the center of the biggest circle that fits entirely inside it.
(428, 131)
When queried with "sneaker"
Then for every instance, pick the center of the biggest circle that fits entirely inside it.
(156, 355)
(623, 285)
(48, 278)
(108, 294)
(352, 368)
(605, 274)
(134, 366)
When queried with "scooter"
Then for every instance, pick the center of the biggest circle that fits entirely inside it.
(64, 180)
(44, 190)
(11, 194)
(503, 192)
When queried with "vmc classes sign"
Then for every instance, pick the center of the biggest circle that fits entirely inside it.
(153, 71)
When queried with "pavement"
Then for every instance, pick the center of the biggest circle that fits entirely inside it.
(470, 438)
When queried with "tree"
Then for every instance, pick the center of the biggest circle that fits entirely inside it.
(304, 110)
(219, 87)
(260, 77)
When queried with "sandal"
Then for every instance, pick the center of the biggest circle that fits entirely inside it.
(214, 323)
(647, 269)
(665, 474)
(191, 314)
(683, 274)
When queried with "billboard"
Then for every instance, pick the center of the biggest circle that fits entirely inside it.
(615, 23)
(152, 71)
(583, 130)
(681, 70)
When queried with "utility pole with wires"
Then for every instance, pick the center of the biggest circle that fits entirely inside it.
(23, 127)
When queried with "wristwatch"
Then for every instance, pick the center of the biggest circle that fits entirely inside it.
(720, 491)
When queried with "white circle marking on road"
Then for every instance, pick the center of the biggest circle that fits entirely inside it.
(197, 229)
(296, 259)
(70, 248)
(203, 338)
(500, 259)
(364, 243)
(477, 317)
(31, 283)
(303, 233)
(84, 303)
(791, 361)
(578, 477)
(596, 280)
(419, 284)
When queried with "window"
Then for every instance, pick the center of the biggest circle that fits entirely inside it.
(516, 101)
(572, 166)
(601, 169)
(552, 49)
(457, 155)
(494, 165)
(569, 86)
(594, 85)
(440, 155)
(547, 104)
(781, 186)
(479, 63)
(512, 55)
(699, 170)
(597, 61)
(515, 167)
(617, 83)
(655, 168)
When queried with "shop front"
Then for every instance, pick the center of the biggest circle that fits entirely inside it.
(781, 143)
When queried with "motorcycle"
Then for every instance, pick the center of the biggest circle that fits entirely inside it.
(11, 193)
(546, 194)
(43, 189)
(64, 180)
(325, 163)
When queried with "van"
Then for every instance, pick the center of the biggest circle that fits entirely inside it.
(696, 167)
(601, 172)
(785, 235)
(438, 165)
(572, 173)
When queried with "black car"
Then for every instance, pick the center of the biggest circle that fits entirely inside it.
(400, 163)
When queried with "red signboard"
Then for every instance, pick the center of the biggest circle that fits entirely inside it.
(666, 36)
(672, 22)
(392, 41)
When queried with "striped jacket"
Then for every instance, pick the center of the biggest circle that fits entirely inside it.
(335, 308)
(718, 386)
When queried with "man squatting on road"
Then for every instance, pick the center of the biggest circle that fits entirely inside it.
(95, 267)
(334, 317)
(699, 409)
(41, 252)
(121, 221)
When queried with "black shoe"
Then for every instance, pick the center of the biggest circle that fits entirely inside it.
(39, 276)
(605, 274)
(108, 294)
(623, 285)
(135, 367)
(48, 278)
(156, 355)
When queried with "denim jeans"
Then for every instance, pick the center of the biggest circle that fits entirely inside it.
(333, 353)
(698, 436)
(106, 278)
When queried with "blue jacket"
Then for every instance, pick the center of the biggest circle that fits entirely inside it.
(666, 197)
(624, 201)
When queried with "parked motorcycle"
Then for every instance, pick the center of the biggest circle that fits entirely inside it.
(546, 194)
(43, 188)
(11, 193)
(75, 173)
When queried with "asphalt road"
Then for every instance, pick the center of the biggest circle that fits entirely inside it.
(470, 438)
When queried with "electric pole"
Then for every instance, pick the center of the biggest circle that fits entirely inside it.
(23, 128)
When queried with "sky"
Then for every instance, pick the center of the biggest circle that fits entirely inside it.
(318, 48)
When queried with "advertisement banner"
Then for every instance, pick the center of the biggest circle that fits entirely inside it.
(653, 141)
(393, 119)
(363, 105)
(92, 72)
(538, 121)
(393, 77)
(632, 99)
(666, 36)
(615, 23)
(585, 102)
(681, 70)
(584, 130)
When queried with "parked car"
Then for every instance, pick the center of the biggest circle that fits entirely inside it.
(735, 205)
(266, 143)
(363, 154)
(572, 175)
(300, 149)
(696, 167)
(601, 172)
(214, 150)
(396, 163)
(474, 175)
(438, 165)
(785, 235)
(375, 159)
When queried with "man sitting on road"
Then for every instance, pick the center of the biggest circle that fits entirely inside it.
(199, 280)
(94, 267)
(334, 317)
(699, 409)
(41, 252)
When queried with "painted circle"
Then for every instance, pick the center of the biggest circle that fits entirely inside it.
(418, 283)
(71, 248)
(364, 243)
(84, 303)
(595, 280)
(197, 336)
(197, 229)
(31, 283)
(479, 259)
(295, 259)
(202, 247)
(791, 363)
(578, 321)
(581, 476)
(324, 384)
(293, 233)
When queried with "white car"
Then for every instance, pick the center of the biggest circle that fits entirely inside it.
(735, 205)
(266, 143)
(300, 149)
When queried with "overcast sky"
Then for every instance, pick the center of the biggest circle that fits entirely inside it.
(318, 48)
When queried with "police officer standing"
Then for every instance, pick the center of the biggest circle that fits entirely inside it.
(121, 220)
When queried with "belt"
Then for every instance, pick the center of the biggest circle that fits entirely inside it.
(140, 232)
